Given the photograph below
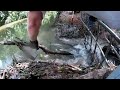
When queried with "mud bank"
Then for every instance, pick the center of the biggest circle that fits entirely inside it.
(52, 70)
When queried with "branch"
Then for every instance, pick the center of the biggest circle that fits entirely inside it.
(11, 24)
(20, 42)
(52, 52)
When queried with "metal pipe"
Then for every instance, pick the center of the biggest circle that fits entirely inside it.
(112, 34)
(114, 49)
(110, 31)
(109, 46)
(96, 42)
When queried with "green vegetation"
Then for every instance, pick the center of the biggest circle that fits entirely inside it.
(13, 24)
(49, 18)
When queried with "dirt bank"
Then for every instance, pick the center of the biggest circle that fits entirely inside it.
(52, 70)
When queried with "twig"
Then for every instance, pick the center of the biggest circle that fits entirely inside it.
(74, 67)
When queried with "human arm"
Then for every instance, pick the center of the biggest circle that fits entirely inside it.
(33, 25)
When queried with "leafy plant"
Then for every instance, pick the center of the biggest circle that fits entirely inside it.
(49, 18)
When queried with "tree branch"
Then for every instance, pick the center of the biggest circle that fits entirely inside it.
(17, 43)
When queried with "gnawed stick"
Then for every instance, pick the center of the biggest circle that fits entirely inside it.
(40, 46)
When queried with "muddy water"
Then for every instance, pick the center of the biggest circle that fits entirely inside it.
(81, 55)
(6, 51)
(48, 38)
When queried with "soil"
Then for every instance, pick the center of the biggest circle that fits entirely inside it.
(51, 70)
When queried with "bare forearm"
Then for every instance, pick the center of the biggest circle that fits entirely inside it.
(34, 23)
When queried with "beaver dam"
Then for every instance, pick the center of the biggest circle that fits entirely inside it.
(68, 52)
